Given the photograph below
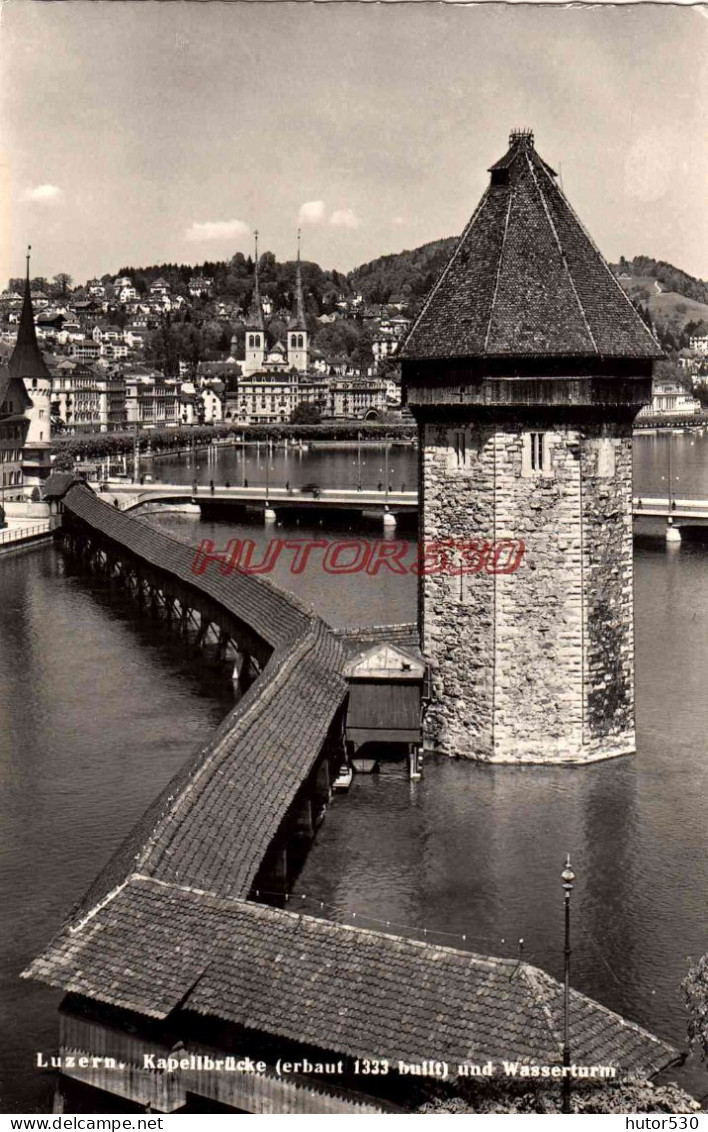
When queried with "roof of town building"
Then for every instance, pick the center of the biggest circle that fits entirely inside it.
(526, 280)
(155, 946)
(57, 484)
(7, 377)
(26, 360)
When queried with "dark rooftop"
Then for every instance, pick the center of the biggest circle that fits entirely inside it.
(27, 361)
(526, 280)
(153, 947)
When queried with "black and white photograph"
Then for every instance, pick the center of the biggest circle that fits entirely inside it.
(353, 561)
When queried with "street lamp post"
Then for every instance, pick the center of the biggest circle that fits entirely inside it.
(568, 877)
(386, 471)
(358, 460)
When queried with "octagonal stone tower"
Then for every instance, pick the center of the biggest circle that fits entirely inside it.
(524, 371)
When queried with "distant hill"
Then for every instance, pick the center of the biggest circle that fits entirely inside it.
(406, 276)
(643, 268)
(675, 302)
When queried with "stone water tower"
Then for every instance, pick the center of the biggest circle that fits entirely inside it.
(524, 371)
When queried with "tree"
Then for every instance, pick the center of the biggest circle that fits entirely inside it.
(277, 331)
(616, 1097)
(306, 414)
(62, 283)
(695, 989)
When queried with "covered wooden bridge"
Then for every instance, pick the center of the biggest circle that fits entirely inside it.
(173, 955)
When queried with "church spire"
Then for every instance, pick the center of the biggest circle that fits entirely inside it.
(255, 313)
(26, 360)
(297, 322)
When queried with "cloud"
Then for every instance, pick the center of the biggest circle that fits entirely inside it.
(42, 194)
(216, 230)
(399, 221)
(344, 218)
(311, 212)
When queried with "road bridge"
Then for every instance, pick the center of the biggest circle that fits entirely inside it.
(279, 500)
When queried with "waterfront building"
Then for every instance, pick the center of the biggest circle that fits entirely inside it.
(525, 370)
(669, 398)
(356, 397)
(28, 367)
(152, 401)
(269, 397)
(14, 424)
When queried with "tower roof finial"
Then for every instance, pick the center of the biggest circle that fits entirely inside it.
(525, 135)
(27, 257)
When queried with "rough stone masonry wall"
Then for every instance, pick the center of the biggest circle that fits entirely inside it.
(538, 623)
(608, 584)
(533, 666)
(457, 612)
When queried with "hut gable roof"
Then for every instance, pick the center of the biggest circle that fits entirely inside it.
(154, 947)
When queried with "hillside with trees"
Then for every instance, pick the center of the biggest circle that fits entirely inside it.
(673, 303)
(405, 276)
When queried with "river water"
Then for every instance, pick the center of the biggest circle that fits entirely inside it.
(98, 709)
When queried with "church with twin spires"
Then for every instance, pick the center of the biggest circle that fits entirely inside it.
(280, 358)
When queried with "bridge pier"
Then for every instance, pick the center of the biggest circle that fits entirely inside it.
(673, 534)
(304, 825)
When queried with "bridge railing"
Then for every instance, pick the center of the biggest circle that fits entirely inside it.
(19, 534)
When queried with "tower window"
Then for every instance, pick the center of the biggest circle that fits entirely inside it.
(536, 456)
(462, 446)
(537, 451)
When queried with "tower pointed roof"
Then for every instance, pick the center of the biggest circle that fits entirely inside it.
(298, 322)
(26, 360)
(526, 280)
(254, 319)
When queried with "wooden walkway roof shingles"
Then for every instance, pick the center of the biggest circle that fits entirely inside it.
(154, 947)
(167, 924)
(213, 823)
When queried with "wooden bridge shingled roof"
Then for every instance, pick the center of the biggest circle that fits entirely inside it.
(156, 947)
(213, 823)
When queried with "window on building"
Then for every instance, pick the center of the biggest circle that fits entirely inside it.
(462, 446)
(536, 456)
(537, 451)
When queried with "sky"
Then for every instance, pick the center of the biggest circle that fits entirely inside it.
(140, 133)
